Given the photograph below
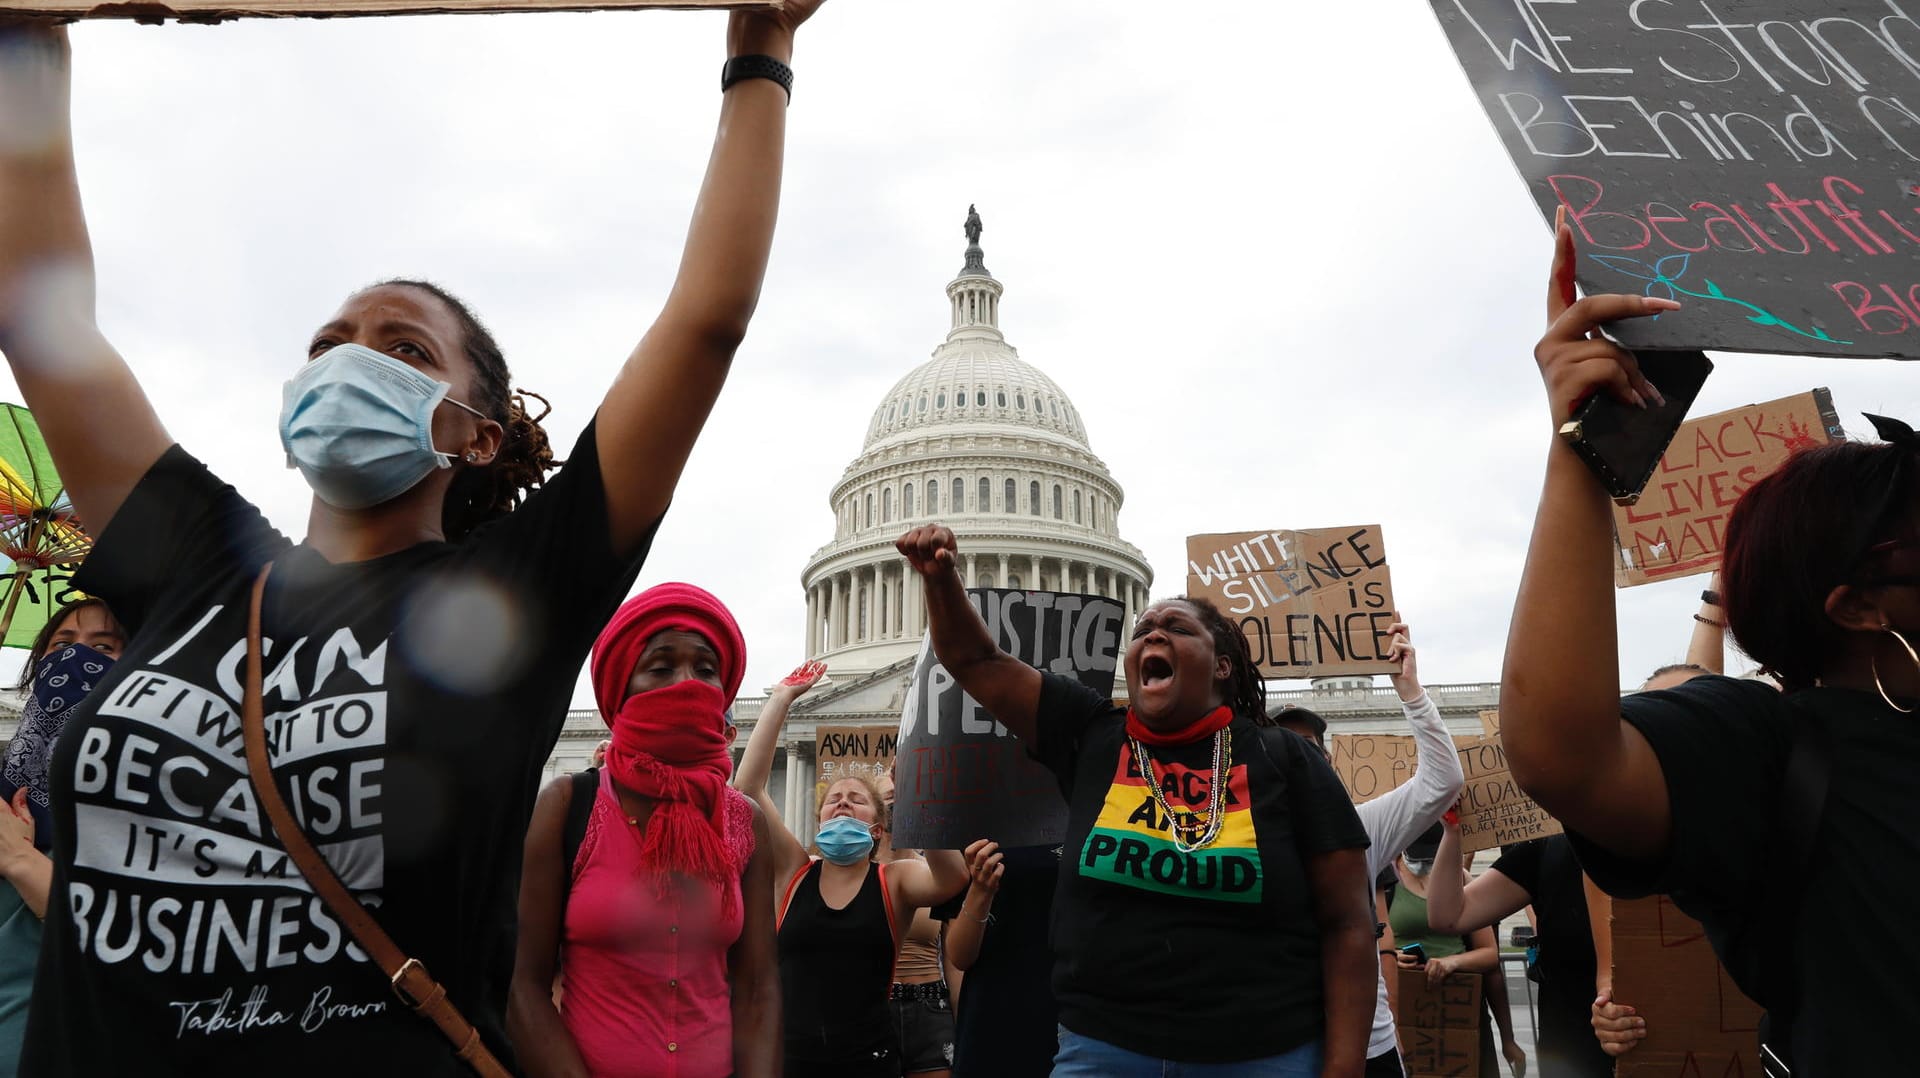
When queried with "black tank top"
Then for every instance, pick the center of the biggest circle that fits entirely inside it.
(836, 967)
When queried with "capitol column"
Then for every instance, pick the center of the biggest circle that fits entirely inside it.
(911, 599)
(813, 624)
(836, 609)
(873, 605)
(1001, 580)
(1033, 582)
(792, 810)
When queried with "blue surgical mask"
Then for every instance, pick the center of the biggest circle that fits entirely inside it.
(359, 426)
(844, 840)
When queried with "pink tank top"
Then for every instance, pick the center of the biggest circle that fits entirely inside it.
(645, 977)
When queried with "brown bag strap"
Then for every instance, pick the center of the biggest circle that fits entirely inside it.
(411, 982)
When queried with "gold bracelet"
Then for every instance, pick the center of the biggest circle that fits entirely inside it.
(1710, 621)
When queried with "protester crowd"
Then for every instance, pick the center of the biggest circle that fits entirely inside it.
(1218, 906)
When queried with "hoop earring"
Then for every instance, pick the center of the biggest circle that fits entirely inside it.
(1874, 664)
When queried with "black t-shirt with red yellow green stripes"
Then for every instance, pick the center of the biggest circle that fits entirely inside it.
(1205, 957)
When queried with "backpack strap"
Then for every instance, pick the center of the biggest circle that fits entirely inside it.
(786, 896)
(1803, 804)
(586, 790)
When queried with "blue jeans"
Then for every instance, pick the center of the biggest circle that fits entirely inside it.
(1084, 1057)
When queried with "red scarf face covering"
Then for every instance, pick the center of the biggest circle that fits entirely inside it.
(670, 746)
(1206, 725)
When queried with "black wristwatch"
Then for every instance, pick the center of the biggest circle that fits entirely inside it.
(1710, 597)
(756, 66)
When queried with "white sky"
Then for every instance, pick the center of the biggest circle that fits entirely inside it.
(1274, 253)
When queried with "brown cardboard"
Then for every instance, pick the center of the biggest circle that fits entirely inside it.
(1678, 526)
(1490, 723)
(1310, 602)
(1698, 1022)
(220, 10)
(1439, 1024)
(1372, 764)
(1494, 811)
(839, 751)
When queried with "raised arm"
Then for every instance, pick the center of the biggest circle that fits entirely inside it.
(756, 766)
(1396, 818)
(1453, 904)
(97, 421)
(1008, 688)
(967, 931)
(1559, 693)
(660, 401)
(919, 883)
(1707, 647)
(543, 1045)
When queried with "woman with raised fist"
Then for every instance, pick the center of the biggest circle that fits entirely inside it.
(1213, 904)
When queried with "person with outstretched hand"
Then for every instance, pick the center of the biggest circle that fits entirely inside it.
(1398, 817)
(1213, 898)
(410, 662)
(1759, 812)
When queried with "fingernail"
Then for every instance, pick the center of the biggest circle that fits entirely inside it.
(1634, 396)
(1560, 217)
(1662, 304)
(1654, 392)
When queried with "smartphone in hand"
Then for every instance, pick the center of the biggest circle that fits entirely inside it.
(1622, 444)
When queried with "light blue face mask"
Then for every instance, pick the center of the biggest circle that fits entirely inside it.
(844, 840)
(359, 426)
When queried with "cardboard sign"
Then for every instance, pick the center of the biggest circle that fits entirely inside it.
(1310, 602)
(1698, 1022)
(840, 751)
(1490, 723)
(961, 775)
(1372, 764)
(1678, 527)
(1439, 1024)
(1754, 161)
(1494, 811)
(221, 10)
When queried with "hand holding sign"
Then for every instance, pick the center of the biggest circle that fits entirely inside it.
(931, 549)
(1618, 1027)
(1406, 680)
(1575, 359)
(984, 865)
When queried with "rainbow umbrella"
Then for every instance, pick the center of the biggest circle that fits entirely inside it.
(38, 532)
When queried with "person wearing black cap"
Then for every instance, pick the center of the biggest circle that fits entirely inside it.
(1396, 818)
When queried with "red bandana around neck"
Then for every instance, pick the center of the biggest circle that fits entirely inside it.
(670, 745)
(1211, 723)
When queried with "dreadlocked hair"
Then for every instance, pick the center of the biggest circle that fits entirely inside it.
(479, 494)
(1246, 692)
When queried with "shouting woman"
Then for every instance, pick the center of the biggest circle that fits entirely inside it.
(1213, 904)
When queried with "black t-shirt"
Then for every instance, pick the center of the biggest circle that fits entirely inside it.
(1006, 1028)
(1723, 746)
(1550, 874)
(1208, 957)
(411, 701)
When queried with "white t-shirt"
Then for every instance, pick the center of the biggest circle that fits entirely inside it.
(1395, 819)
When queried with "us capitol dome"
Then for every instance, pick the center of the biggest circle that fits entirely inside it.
(983, 441)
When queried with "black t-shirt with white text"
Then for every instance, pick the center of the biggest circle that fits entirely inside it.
(1723, 746)
(1204, 957)
(411, 701)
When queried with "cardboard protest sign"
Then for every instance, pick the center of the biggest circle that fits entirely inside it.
(1372, 764)
(1490, 723)
(1494, 811)
(220, 10)
(961, 775)
(1755, 161)
(1698, 1022)
(840, 751)
(1439, 1024)
(1678, 527)
(1310, 602)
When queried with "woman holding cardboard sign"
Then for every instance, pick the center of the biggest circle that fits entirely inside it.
(396, 680)
(1759, 811)
(1213, 904)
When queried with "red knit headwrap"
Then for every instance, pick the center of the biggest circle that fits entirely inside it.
(668, 744)
(661, 607)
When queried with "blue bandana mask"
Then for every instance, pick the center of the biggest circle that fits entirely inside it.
(359, 426)
(61, 680)
(844, 840)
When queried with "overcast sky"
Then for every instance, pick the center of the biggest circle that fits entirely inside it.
(1273, 252)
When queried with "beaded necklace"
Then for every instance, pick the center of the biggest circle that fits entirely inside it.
(1190, 832)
